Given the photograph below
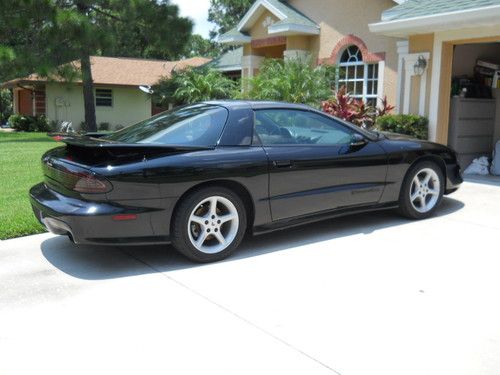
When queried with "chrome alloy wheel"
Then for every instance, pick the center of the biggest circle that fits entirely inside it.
(213, 224)
(425, 189)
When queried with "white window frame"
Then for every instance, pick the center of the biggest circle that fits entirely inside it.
(360, 63)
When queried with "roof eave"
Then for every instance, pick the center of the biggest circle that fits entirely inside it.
(229, 68)
(24, 83)
(293, 29)
(249, 16)
(20, 82)
(487, 16)
(235, 39)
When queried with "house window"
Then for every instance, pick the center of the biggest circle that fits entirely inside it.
(103, 97)
(360, 79)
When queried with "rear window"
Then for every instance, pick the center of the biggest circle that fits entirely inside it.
(194, 125)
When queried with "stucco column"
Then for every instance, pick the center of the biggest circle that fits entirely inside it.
(250, 65)
(409, 62)
(298, 54)
(402, 48)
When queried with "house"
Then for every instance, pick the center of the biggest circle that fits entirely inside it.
(229, 63)
(327, 32)
(449, 65)
(118, 99)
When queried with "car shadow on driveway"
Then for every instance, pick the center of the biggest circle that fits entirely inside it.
(485, 180)
(108, 262)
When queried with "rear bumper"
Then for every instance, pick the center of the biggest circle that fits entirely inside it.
(87, 222)
(453, 178)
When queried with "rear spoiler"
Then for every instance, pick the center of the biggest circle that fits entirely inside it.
(91, 141)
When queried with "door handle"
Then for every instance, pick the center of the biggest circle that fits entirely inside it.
(282, 163)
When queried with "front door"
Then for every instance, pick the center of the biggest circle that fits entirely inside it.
(314, 165)
(25, 102)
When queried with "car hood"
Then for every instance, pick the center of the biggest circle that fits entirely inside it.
(397, 142)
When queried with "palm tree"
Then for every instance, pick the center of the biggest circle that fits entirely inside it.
(293, 81)
(196, 85)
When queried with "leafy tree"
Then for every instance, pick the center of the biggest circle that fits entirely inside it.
(5, 104)
(164, 90)
(199, 46)
(39, 35)
(24, 38)
(194, 85)
(156, 31)
(293, 81)
(226, 14)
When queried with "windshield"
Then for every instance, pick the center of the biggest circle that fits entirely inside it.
(194, 125)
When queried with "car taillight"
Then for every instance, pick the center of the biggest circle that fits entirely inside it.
(90, 183)
(58, 172)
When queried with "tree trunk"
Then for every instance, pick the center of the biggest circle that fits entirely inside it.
(88, 93)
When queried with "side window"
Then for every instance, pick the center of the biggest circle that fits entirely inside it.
(295, 127)
(103, 97)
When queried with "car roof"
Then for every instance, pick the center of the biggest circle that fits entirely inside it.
(263, 104)
(257, 104)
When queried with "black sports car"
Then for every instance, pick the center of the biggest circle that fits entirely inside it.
(202, 175)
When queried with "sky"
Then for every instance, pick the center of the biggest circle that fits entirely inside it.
(197, 10)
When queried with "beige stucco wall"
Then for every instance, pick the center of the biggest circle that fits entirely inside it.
(338, 18)
(299, 42)
(130, 105)
(258, 30)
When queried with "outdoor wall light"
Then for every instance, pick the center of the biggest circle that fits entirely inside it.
(420, 65)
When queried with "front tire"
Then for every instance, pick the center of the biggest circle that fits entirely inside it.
(422, 191)
(209, 224)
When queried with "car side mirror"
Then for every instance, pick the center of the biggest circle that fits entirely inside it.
(357, 140)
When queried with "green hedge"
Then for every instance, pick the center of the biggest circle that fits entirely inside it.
(412, 125)
(29, 123)
(104, 126)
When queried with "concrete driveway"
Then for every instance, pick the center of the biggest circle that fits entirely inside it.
(368, 294)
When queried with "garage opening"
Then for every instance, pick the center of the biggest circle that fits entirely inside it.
(474, 123)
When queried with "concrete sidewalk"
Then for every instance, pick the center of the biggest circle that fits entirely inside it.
(367, 294)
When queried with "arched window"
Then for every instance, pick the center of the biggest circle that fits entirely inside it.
(360, 79)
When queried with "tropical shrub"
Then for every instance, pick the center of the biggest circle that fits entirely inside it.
(82, 129)
(5, 104)
(164, 90)
(29, 123)
(194, 85)
(104, 126)
(292, 80)
(344, 106)
(41, 124)
(412, 125)
(385, 109)
(19, 122)
(348, 108)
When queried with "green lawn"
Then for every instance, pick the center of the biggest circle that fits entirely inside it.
(19, 170)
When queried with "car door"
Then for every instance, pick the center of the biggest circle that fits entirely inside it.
(317, 163)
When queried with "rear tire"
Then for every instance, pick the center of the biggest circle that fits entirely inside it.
(422, 191)
(209, 224)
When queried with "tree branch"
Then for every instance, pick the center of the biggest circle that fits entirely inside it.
(104, 13)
